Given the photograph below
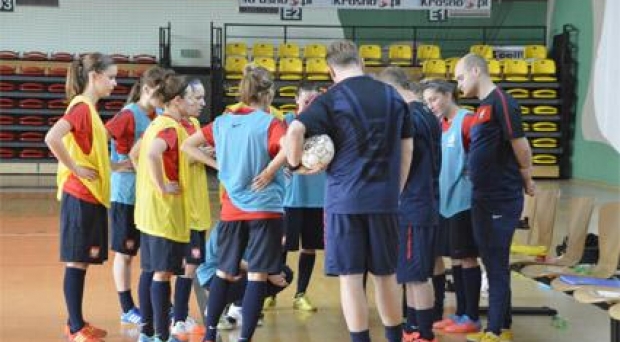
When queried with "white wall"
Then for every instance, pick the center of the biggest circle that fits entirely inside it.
(131, 27)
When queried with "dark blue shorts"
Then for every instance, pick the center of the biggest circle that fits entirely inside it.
(461, 235)
(83, 231)
(159, 254)
(195, 249)
(494, 222)
(356, 243)
(125, 235)
(306, 223)
(416, 253)
(261, 238)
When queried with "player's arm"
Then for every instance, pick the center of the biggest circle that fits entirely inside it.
(156, 171)
(294, 142)
(523, 153)
(192, 147)
(406, 155)
(134, 153)
(53, 139)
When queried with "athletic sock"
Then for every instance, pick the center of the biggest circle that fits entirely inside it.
(306, 266)
(73, 287)
(439, 285)
(160, 297)
(182, 291)
(472, 282)
(146, 307)
(251, 308)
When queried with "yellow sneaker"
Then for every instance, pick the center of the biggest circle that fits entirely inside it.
(301, 302)
(505, 336)
(269, 303)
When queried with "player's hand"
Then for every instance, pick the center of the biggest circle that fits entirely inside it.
(262, 180)
(277, 279)
(530, 187)
(171, 188)
(208, 150)
(123, 166)
(86, 173)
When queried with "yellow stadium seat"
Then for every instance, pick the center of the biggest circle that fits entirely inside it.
(543, 70)
(317, 70)
(233, 67)
(545, 110)
(288, 50)
(267, 63)
(526, 126)
(288, 107)
(262, 50)
(315, 51)
(486, 51)
(525, 110)
(427, 51)
(434, 68)
(535, 51)
(232, 91)
(451, 65)
(544, 159)
(371, 54)
(516, 70)
(545, 126)
(291, 69)
(400, 54)
(288, 91)
(236, 49)
(545, 143)
(495, 69)
(519, 93)
(544, 93)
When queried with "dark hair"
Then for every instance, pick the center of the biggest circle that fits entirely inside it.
(151, 77)
(77, 74)
(441, 86)
(172, 85)
(343, 53)
(256, 86)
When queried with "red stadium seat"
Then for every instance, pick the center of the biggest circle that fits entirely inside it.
(7, 86)
(61, 57)
(32, 87)
(28, 153)
(114, 105)
(7, 70)
(6, 103)
(6, 153)
(10, 55)
(32, 120)
(144, 59)
(31, 104)
(34, 56)
(32, 70)
(58, 71)
(31, 136)
(119, 58)
(51, 121)
(56, 88)
(56, 104)
(7, 136)
(121, 89)
(6, 120)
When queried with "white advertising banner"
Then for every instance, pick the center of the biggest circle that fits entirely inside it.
(374, 4)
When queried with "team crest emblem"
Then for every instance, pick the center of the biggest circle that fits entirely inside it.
(94, 252)
(196, 253)
(130, 244)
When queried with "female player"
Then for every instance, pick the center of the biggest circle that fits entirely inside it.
(125, 129)
(79, 142)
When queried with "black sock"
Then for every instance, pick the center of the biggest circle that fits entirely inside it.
(306, 265)
(412, 321)
(439, 285)
(182, 292)
(215, 306)
(361, 336)
(471, 283)
(73, 287)
(394, 334)
(251, 308)
(459, 290)
(146, 307)
(126, 301)
(425, 323)
(160, 297)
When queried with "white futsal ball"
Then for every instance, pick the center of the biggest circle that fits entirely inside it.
(318, 151)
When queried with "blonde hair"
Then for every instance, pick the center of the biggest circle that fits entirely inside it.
(256, 86)
(472, 60)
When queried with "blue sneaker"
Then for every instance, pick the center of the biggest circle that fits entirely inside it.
(131, 317)
(145, 338)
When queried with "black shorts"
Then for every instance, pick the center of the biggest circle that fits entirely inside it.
(356, 243)
(83, 231)
(261, 238)
(306, 223)
(416, 254)
(161, 255)
(462, 242)
(195, 249)
(125, 235)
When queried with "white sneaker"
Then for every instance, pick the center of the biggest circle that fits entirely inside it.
(234, 312)
(179, 329)
(226, 324)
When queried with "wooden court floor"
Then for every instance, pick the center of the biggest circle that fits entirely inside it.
(32, 306)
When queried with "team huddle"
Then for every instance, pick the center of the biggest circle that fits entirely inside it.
(413, 178)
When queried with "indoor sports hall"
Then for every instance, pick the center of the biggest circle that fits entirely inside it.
(556, 58)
